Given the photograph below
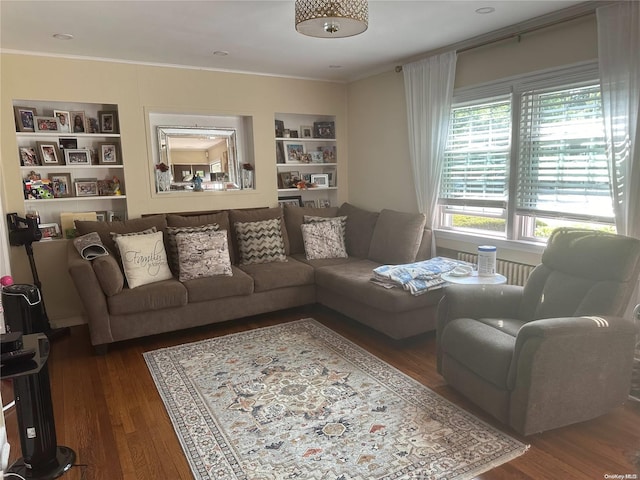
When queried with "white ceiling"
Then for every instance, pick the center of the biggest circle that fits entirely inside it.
(259, 35)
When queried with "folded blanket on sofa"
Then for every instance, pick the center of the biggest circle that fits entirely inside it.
(90, 246)
(417, 277)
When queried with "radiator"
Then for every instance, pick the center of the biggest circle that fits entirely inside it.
(516, 273)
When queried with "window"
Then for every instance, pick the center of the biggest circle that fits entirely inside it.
(527, 155)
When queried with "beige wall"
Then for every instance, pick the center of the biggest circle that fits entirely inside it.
(137, 89)
(379, 165)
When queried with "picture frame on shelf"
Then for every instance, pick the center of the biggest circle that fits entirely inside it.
(309, 203)
(108, 121)
(101, 216)
(279, 128)
(28, 157)
(295, 200)
(331, 172)
(328, 153)
(321, 180)
(46, 124)
(317, 156)
(61, 185)
(78, 121)
(324, 130)
(77, 156)
(63, 120)
(116, 216)
(86, 187)
(324, 203)
(293, 152)
(280, 157)
(306, 131)
(25, 118)
(50, 230)
(109, 153)
(306, 177)
(284, 180)
(49, 154)
(66, 143)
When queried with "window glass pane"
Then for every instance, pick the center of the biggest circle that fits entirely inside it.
(563, 162)
(477, 155)
(488, 221)
(544, 226)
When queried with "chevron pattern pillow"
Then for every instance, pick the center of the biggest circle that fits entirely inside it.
(172, 244)
(260, 242)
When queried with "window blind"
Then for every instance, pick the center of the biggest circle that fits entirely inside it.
(477, 156)
(562, 167)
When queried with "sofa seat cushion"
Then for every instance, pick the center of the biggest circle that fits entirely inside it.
(481, 348)
(324, 262)
(154, 296)
(352, 279)
(269, 276)
(219, 286)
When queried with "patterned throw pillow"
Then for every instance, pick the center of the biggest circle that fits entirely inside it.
(323, 240)
(143, 258)
(341, 221)
(260, 242)
(172, 245)
(203, 254)
(115, 235)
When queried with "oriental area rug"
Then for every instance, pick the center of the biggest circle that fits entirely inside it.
(298, 401)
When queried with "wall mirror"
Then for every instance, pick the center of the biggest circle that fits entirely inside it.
(192, 154)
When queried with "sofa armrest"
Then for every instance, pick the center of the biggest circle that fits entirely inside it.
(93, 298)
(559, 363)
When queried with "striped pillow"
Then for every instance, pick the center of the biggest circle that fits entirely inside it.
(260, 242)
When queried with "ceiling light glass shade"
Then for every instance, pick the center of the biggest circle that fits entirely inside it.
(331, 19)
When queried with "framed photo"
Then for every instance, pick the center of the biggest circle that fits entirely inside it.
(309, 203)
(284, 180)
(324, 203)
(324, 130)
(46, 124)
(78, 122)
(25, 118)
(61, 184)
(66, 143)
(63, 120)
(108, 121)
(294, 200)
(279, 128)
(50, 230)
(317, 157)
(293, 152)
(101, 216)
(49, 153)
(86, 188)
(321, 180)
(113, 216)
(109, 153)
(77, 156)
(28, 157)
(306, 131)
(328, 154)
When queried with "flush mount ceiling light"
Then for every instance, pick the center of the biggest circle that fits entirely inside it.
(331, 19)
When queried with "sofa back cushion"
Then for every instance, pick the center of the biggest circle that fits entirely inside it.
(396, 237)
(104, 229)
(256, 215)
(360, 226)
(294, 218)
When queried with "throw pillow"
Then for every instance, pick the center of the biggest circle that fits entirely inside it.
(340, 221)
(323, 240)
(172, 244)
(202, 254)
(115, 235)
(294, 217)
(260, 242)
(143, 258)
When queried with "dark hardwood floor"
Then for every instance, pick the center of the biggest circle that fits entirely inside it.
(108, 410)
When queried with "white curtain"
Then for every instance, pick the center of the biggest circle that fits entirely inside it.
(619, 62)
(428, 86)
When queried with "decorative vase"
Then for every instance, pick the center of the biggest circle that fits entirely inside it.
(163, 180)
(247, 179)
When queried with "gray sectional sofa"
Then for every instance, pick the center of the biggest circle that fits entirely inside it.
(116, 312)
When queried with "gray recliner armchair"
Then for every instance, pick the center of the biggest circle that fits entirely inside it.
(554, 352)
